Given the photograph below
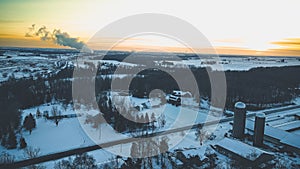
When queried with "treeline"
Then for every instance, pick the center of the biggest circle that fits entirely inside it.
(18, 94)
(123, 120)
(263, 86)
(259, 86)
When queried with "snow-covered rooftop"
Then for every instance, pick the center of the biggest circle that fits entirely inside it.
(240, 105)
(260, 115)
(284, 137)
(241, 149)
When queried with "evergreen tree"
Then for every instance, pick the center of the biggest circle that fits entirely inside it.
(3, 140)
(142, 119)
(29, 123)
(38, 113)
(12, 140)
(153, 120)
(146, 125)
(110, 104)
(147, 118)
(23, 143)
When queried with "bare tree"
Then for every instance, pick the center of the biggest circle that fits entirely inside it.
(30, 153)
(56, 115)
(6, 158)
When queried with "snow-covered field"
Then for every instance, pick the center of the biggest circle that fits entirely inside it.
(75, 132)
(238, 63)
(19, 66)
(26, 64)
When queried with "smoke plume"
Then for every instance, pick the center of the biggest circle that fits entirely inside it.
(56, 36)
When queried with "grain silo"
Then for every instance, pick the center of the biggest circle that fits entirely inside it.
(259, 129)
(239, 120)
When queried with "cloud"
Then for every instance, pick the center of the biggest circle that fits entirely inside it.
(289, 43)
(56, 36)
(290, 46)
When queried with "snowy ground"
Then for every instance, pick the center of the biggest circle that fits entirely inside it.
(19, 65)
(239, 63)
(74, 132)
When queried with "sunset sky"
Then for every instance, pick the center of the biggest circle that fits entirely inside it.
(268, 27)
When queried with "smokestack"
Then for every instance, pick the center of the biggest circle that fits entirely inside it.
(259, 129)
(239, 120)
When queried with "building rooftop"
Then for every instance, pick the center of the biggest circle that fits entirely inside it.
(284, 137)
(241, 149)
(290, 126)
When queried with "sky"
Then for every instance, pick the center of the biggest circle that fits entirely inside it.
(268, 27)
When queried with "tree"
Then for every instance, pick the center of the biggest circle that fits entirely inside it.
(162, 120)
(6, 158)
(30, 153)
(56, 115)
(153, 120)
(147, 118)
(84, 161)
(23, 143)
(38, 113)
(81, 161)
(29, 123)
(134, 152)
(64, 164)
(142, 118)
(164, 147)
(12, 140)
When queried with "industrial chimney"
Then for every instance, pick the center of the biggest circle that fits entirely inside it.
(259, 129)
(239, 120)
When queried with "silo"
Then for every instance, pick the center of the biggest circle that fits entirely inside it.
(259, 129)
(239, 120)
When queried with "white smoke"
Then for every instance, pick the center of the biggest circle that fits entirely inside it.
(56, 36)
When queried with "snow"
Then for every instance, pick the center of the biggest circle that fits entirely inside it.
(50, 138)
(65, 110)
(297, 101)
(114, 76)
(44, 63)
(240, 105)
(114, 62)
(279, 135)
(289, 125)
(236, 63)
(260, 115)
(81, 62)
(241, 149)
(74, 132)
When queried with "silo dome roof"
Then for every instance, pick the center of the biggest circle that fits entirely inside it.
(260, 115)
(240, 105)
